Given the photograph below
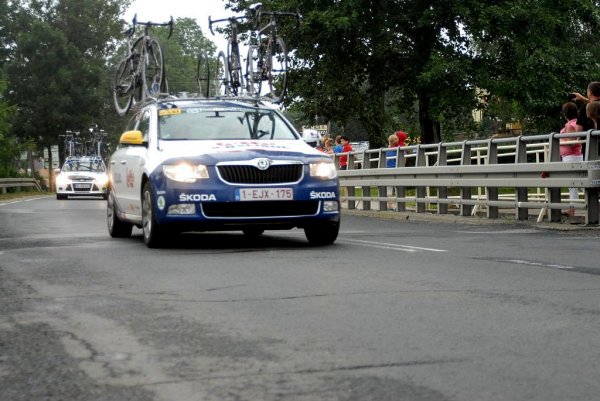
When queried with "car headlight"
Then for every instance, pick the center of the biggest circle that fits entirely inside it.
(102, 180)
(185, 172)
(323, 170)
(62, 179)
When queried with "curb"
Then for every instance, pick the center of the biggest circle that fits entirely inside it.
(576, 226)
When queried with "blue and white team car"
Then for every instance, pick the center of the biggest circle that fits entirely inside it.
(219, 165)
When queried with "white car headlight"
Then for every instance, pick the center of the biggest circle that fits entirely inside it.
(323, 170)
(62, 179)
(184, 172)
(102, 180)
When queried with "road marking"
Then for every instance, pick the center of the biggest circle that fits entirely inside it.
(395, 247)
(518, 231)
(539, 264)
(22, 200)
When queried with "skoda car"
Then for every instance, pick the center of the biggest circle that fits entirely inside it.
(216, 165)
(82, 176)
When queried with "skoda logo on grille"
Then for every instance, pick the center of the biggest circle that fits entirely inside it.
(263, 164)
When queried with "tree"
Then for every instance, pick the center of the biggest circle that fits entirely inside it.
(528, 54)
(369, 59)
(56, 69)
(353, 57)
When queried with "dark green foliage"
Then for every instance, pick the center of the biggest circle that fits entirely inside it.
(393, 64)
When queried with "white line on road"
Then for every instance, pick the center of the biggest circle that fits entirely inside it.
(396, 247)
(530, 263)
(21, 200)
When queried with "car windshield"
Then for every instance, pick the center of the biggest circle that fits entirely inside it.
(87, 165)
(217, 122)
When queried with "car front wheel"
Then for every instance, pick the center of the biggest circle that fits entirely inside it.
(323, 233)
(116, 227)
(155, 235)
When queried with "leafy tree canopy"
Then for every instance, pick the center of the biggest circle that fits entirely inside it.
(369, 60)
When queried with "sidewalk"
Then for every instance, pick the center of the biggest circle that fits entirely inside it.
(576, 224)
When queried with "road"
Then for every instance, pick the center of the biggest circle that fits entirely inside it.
(395, 310)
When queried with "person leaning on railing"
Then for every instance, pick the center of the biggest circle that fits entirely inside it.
(346, 148)
(395, 140)
(572, 152)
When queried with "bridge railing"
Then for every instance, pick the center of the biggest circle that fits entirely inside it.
(18, 183)
(518, 173)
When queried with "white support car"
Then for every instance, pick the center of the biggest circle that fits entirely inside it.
(214, 165)
(82, 176)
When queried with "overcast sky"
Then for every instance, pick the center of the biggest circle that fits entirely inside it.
(162, 10)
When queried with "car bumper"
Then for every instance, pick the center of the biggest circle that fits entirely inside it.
(89, 189)
(217, 206)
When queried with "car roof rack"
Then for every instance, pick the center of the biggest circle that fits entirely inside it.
(187, 96)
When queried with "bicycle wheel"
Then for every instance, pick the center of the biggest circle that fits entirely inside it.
(235, 67)
(153, 71)
(222, 74)
(123, 87)
(277, 71)
(203, 74)
(253, 71)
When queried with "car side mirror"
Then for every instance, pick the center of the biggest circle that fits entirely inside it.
(56, 171)
(132, 138)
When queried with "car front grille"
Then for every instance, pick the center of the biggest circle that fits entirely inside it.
(244, 174)
(81, 178)
(259, 209)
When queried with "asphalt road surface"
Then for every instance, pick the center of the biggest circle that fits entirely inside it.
(395, 310)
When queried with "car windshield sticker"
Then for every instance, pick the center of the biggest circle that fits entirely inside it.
(169, 112)
(250, 145)
(195, 110)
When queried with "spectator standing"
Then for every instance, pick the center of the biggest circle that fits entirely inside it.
(572, 152)
(390, 155)
(328, 146)
(593, 113)
(346, 147)
(593, 95)
(338, 144)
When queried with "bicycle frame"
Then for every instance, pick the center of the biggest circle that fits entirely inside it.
(131, 82)
(265, 46)
(233, 77)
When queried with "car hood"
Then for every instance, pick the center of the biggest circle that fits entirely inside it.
(75, 174)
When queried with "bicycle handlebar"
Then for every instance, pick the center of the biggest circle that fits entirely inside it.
(261, 13)
(230, 19)
(148, 24)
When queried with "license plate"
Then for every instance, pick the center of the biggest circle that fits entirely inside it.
(264, 194)
(82, 186)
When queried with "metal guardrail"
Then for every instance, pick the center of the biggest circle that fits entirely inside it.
(519, 173)
(18, 183)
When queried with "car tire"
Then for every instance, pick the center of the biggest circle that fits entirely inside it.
(155, 234)
(116, 227)
(61, 196)
(322, 234)
(253, 232)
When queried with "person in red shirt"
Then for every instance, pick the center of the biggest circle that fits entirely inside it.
(346, 147)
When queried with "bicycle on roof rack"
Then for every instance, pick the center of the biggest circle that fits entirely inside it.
(229, 66)
(141, 73)
(73, 146)
(98, 147)
(267, 55)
